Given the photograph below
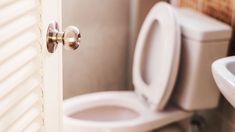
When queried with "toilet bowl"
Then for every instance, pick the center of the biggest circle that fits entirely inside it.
(155, 72)
(137, 110)
(119, 111)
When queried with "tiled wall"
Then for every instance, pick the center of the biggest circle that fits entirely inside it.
(220, 9)
(223, 118)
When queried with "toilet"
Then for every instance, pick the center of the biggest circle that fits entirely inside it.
(171, 76)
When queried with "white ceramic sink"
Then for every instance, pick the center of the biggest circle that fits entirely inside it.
(224, 74)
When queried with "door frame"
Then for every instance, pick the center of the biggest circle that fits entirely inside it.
(52, 70)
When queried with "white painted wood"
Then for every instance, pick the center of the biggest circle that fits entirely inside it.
(52, 70)
(30, 77)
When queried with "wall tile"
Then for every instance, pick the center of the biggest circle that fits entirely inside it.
(189, 3)
(233, 14)
(219, 9)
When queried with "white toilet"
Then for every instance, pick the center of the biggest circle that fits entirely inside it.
(161, 95)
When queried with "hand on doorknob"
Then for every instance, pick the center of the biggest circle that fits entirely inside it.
(70, 38)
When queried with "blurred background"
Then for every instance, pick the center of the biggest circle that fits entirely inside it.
(109, 30)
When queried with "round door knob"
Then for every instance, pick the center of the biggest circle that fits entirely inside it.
(70, 38)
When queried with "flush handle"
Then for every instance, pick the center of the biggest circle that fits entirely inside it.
(70, 38)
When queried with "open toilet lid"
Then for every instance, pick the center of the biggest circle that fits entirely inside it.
(157, 56)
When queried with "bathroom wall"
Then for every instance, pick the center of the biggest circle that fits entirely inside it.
(101, 61)
(223, 118)
(109, 30)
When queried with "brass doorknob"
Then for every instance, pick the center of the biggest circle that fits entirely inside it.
(70, 38)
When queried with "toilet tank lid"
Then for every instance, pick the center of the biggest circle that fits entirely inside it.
(200, 27)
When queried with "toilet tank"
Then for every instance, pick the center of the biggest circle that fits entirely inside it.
(204, 40)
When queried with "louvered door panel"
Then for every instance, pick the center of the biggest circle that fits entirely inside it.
(21, 87)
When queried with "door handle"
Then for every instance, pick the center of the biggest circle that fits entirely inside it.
(70, 37)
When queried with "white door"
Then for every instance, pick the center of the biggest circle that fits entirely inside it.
(30, 76)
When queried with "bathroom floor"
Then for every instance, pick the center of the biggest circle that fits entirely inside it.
(171, 128)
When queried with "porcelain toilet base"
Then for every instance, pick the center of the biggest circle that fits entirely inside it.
(119, 111)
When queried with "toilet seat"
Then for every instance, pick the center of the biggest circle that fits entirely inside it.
(155, 68)
(157, 56)
(146, 119)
